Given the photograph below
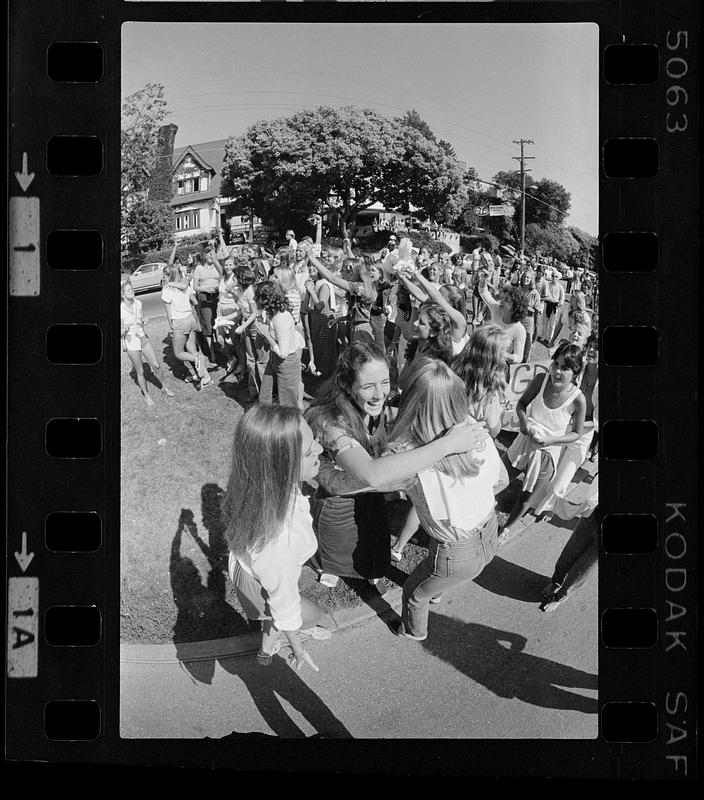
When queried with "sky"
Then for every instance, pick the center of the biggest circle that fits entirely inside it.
(479, 86)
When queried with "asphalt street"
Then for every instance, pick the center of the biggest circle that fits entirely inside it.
(493, 667)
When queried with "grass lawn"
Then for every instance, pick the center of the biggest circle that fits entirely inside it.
(175, 464)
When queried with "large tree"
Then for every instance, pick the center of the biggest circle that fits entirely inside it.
(147, 222)
(341, 159)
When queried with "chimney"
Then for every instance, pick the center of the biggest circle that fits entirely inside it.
(160, 186)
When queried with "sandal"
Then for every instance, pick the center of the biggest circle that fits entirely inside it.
(396, 555)
(204, 383)
(264, 659)
(550, 589)
(328, 580)
(167, 391)
(317, 633)
(551, 603)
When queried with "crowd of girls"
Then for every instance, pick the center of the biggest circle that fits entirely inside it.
(431, 438)
(413, 355)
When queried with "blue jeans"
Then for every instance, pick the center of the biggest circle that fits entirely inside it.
(447, 565)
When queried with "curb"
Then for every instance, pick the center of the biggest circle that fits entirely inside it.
(247, 644)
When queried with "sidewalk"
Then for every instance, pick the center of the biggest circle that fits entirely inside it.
(493, 666)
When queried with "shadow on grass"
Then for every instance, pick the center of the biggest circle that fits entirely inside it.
(496, 659)
(202, 610)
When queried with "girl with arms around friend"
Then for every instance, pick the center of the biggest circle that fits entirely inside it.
(453, 498)
(351, 422)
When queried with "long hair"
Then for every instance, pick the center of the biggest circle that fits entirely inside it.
(520, 302)
(439, 342)
(335, 406)
(454, 296)
(433, 400)
(265, 470)
(269, 296)
(482, 367)
(123, 286)
(285, 279)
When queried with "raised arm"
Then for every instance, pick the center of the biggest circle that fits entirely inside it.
(457, 318)
(414, 290)
(396, 468)
(328, 274)
(172, 256)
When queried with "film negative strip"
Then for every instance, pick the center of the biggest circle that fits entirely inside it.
(64, 441)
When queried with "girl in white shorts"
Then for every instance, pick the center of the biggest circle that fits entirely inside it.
(136, 342)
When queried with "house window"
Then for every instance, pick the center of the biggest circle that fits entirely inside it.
(187, 220)
(197, 183)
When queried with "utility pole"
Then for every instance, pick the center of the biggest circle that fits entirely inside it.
(522, 159)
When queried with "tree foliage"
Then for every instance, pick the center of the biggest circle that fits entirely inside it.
(342, 160)
(146, 222)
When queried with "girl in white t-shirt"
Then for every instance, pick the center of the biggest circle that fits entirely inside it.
(136, 343)
(181, 300)
(453, 499)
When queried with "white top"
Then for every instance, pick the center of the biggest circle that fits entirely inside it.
(283, 330)
(277, 566)
(246, 301)
(292, 246)
(132, 317)
(458, 347)
(555, 292)
(178, 299)
(514, 332)
(206, 278)
(333, 299)
(463, 503)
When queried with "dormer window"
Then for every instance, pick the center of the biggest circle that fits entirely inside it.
(194, 183)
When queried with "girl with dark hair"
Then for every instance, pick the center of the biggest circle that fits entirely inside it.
(357, 281)
(285, 344)
(350, 420)
(450, 299)
(482, 369)
(573, 315)
(550, 414)
(322, 305)
(136, 342)
(206, 279)
(453, 499)
(507, 312)
(269, 528)
(574, 454)
(432, 337)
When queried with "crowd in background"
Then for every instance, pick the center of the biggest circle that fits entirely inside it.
(410, 354)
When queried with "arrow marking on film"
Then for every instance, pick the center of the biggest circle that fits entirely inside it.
(24, 178)
(24, 559)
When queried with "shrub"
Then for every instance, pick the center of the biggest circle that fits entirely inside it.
(487, 240)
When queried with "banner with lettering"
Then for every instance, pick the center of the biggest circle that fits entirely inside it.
(521, 376)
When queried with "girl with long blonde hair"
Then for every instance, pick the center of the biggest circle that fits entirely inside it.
(453, 499)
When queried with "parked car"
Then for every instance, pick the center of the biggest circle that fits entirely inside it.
(148, 276)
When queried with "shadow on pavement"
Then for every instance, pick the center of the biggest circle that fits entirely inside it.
(204, 614)
(511, 580)
(496, 659)
(269, 685)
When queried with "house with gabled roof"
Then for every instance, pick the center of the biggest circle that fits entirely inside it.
(198, 204)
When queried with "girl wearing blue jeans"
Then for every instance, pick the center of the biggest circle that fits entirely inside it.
(453, 499)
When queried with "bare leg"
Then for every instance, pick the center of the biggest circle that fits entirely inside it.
(180, 342)
(136, 359)
(157, 371)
